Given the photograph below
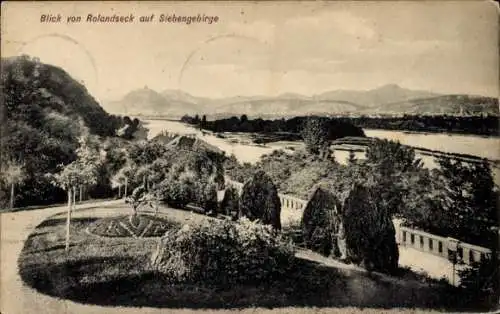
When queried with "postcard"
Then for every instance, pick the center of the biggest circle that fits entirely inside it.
(249, 156)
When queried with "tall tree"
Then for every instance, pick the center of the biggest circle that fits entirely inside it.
(390, 167)
(260, 200)
(315, 133)
(369, 231)
(469, 199)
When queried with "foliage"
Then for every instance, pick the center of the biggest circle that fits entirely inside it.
(146, 152)
(481, 282)
(206, 194)
(221, 252)
(45, 112)
(260, 201)
(482, 124)
(369, 231)
(337, 127)
(315, 134)
(321, 222)
(469, 200)
(176, 192)
(230, 203)
(238, 171)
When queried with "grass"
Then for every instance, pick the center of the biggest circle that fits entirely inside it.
(116, 271)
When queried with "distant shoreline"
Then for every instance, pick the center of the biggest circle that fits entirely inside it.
(426, 132)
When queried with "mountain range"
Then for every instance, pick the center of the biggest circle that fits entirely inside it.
(387, 99)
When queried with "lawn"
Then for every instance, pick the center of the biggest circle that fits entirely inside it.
(116, 271)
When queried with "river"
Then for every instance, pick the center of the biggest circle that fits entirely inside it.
(485, 147)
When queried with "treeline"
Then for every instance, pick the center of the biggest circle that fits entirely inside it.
(336, 128)
(478, 125)
(45, 114)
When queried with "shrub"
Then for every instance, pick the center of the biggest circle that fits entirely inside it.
(321, 223)
(175, 192)
(369, 232)
(259, 200)
(231, 202)
(209, 197)
(222, 252)
(481, 282)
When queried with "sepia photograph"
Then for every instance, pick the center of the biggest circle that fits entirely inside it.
(249, 157)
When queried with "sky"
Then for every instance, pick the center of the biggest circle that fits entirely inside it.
(265, 48)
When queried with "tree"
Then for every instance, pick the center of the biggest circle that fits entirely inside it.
(469, 199)
(369, 231)
(315, 133)
(390, 168)
(243, 118)
(81, 171)
(260, 200)
(322, 222)
(13, 174)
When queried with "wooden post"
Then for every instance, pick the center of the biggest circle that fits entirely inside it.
(119, 190)
(68, 218)
(126, 185)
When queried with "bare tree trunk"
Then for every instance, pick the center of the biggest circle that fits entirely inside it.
(126, 185)
(144, 181)
(119, 190)
(68, 218)
(74, 196)
(81, 192)
(12, 194)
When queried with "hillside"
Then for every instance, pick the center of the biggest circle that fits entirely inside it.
(385, 99)
(45, 111)
(33, 89)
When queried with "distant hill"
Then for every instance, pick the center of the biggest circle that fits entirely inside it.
(446, 104)
(150, 102)
(372, 98)
(385, 99)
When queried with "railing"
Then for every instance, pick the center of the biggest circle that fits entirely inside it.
(440, 246)
(407, 237)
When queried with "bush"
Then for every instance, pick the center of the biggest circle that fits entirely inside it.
(176, 192)
(208, 197)
(321, 223)
(369, 232)
(230, 203)
(222, 252)
(259, 200)
(481, 282)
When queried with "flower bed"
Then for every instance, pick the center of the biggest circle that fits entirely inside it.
(136, 226)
